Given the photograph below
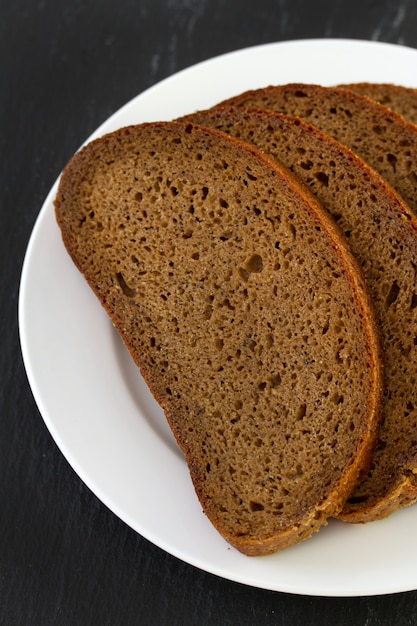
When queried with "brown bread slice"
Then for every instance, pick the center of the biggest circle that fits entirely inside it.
(378, 135)
(383, 235)
(402, 100)
(240, 301)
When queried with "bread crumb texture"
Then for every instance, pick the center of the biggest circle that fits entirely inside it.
(246, 314)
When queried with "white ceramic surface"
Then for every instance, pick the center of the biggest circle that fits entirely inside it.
(99, 410)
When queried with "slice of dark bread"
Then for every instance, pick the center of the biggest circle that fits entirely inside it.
(239, 299)
(378, 135)
(383, 235)
(402, 100)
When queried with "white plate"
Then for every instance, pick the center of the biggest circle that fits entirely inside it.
(100, 412)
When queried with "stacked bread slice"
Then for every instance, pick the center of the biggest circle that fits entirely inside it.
(263, 275)
(382, 231)
(402, 100)
(381, 137)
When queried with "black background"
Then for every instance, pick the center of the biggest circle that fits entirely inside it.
(66, 65)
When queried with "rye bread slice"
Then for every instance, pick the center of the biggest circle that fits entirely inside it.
(241, 303)
(382, 232)
(402, 100)
(381, 137)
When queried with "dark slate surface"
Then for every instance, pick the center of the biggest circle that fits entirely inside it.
(66, 65)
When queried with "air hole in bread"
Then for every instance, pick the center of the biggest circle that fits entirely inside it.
(307, 165)
(301, 412)
(244, 274)
(219, 343)
(337, 398)
(269, 342)
(293, 232)
(226, 303)
(392, 294)
(392, 160)
(127, 291)
(208, 312)
(358, 499)
(256, 506)
(378, 130)
(322, 178)
(381, 444)
(254, 265)
(275, 381)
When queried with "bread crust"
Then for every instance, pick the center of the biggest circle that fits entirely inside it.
(181, 190)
